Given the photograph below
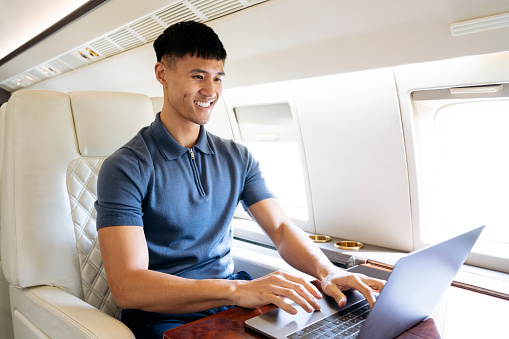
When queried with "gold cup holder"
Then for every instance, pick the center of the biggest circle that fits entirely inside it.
(320, 238)
(349, 245)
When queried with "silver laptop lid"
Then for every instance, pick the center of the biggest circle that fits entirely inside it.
(416, 285)
(413, 290)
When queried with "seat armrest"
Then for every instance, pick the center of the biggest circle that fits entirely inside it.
(259, 261)
(5, 308)
(59, 314)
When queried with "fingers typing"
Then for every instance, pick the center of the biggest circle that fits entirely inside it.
(273, 288)
(335, 284)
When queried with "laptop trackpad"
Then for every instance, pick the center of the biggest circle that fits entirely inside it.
(278, 323)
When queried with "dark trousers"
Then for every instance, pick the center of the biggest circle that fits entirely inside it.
(148, 325)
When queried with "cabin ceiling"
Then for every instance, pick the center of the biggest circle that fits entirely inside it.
(275, 40)
(27, 18)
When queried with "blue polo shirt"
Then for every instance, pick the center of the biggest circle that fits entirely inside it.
(183, 198)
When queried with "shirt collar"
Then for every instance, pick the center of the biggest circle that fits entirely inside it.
(203, 142)
(169, 147)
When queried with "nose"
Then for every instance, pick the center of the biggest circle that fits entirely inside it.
(210, 89)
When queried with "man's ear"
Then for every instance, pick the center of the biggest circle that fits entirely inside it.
(161, 74)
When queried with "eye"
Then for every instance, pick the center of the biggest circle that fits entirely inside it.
(218, 79)
(199, 77)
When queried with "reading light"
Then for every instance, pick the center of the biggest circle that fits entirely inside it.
(91, 52)
(29, 78)
(45, 71)
(24, 81)
(477, 89)
(49, 71)
(481, 24)
(83, 55)
(20, 82)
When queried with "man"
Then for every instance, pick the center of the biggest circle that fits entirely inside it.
(166, 200)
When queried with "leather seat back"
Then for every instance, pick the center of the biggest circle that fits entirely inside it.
(55, 144)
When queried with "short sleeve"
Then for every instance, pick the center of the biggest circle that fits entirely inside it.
(121, 186)
(255, 187)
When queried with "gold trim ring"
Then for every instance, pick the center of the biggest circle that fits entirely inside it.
(320, 238)
(349, 245)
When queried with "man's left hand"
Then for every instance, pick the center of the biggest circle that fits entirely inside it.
(338, 280)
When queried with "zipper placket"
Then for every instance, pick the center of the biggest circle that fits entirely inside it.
(196, 173)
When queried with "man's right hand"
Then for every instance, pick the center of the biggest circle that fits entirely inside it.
(273, 288)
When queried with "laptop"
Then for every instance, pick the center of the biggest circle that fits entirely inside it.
(413, 289)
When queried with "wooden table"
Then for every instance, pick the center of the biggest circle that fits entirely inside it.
(230, 324)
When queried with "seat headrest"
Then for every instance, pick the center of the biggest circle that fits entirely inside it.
(157, 103)
(105, 121)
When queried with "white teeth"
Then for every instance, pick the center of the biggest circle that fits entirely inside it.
(203, 104)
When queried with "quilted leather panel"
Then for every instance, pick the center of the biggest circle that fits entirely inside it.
(82, 188)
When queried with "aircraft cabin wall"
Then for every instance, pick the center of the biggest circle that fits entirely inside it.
(354, 152)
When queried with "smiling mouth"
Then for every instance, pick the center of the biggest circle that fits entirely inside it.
(203, 104)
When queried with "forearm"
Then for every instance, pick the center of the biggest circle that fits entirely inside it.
(300, 252)
(159, 292)
(292, 243)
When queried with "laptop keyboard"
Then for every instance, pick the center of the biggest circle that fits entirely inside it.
(338, 325)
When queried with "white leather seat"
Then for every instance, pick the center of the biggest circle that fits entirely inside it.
(5, 306)
(157, 104)
(54, 146)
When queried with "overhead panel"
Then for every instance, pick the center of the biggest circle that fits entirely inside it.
(132, 35)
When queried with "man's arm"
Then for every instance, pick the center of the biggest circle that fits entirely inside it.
(125, 257)
(299, 251)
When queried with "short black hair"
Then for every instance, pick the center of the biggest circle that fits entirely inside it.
(189, 38)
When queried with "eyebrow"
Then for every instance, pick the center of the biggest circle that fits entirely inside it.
(198, 70)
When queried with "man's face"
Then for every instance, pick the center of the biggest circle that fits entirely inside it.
(193, 87)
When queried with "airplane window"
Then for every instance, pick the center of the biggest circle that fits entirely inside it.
(281, 165)
(472, 182)
(269, 133)
(463, 168)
